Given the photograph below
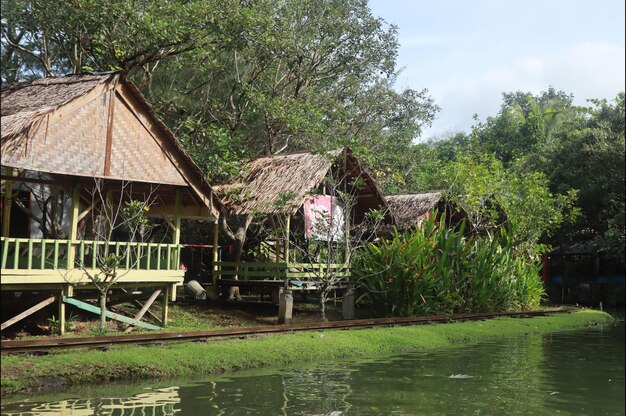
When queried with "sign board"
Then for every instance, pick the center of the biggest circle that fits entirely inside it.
(323, 218)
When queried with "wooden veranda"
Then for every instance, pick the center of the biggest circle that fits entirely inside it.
(277, 190)
(86, 143)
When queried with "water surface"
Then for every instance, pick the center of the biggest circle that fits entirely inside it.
(570, 373)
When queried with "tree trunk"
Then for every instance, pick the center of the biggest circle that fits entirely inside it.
(239, 238)
(103, 308)
(323, 296)
(233, 292)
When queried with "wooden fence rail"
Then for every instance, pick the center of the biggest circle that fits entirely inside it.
(49, 254)
(278, 271)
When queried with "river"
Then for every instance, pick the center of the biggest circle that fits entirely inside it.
(569, 373)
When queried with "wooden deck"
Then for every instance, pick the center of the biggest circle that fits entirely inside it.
(297, 277)
(63, 267)
(294, 285)
(277, 271)
(29, 263)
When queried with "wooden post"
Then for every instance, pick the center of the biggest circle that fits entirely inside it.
(73, 228)
(69, 292)
(287, 231)
(347, 303)
(176, 239)
(6, 206)
(347, 235)
(285, 307)
(144, 309)
(278, 249)
(109, 137)
(166, 305)
(61, 318)
(27, 312)
(215, 252)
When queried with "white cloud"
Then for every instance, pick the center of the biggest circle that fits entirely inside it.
(588, 70)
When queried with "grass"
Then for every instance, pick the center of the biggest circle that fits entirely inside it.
(184, 317)
(190, 359)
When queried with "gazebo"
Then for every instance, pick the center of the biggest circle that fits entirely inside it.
(298, 196)
(76, 147)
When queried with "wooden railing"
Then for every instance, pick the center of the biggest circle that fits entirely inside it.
(278, 271)
(48, 254)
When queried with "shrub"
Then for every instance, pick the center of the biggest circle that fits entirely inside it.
(436, 270)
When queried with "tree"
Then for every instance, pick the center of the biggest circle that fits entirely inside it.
(587, 154)
(541, 139)
(236, 80)
(236, 228)
(292, 76)
(40, 38)
(524, 124)
(115, 213)
(498, 198)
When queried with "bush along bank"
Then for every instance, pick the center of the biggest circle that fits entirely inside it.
(24, 373)
(436, 270)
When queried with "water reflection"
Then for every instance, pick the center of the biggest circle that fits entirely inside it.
(574, 373)
(157, 402)
(306, 391)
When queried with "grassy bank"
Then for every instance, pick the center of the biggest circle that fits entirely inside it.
(189, 359)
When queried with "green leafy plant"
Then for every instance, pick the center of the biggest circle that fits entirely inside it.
(434, 270)
(55, 324)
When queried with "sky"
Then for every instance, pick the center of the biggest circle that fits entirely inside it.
(467, 53)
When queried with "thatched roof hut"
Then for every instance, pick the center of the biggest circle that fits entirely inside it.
(279, 184)
(410, 209)
(97, 126)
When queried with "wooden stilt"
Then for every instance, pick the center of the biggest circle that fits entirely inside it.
(6, 206)
(134, 301)
(166, 305)
(61, 317)
(287, 231)
(176, 237)
(67, 291)
(144, 309)
(27, 312)
(73, 228)
(215, 252)
(116, 316)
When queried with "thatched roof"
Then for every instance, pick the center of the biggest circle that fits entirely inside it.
(94, 125)
(279, 184)
(409, 208)
(25, 97)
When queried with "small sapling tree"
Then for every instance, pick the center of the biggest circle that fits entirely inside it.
(114, 214)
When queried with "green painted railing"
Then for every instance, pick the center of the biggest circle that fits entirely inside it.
(278, 271)
(48, 254)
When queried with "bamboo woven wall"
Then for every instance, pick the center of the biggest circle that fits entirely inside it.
(136, 154)
(74, 144)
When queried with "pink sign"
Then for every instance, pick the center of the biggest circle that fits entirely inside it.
(323, 218)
